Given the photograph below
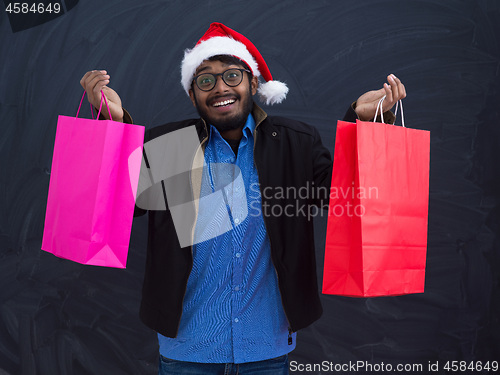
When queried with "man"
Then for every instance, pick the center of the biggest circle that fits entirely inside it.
(229, 297)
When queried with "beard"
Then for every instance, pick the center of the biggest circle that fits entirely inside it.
(229, 122)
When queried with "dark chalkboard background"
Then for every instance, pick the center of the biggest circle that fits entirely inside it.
(59, 317)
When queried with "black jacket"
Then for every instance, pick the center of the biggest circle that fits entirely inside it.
(288, 154)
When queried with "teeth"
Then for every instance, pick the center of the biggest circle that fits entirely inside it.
(225, 102)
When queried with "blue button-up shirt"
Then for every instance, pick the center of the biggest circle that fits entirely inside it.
(232, 311)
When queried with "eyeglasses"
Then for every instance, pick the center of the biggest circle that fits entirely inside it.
(231, 77)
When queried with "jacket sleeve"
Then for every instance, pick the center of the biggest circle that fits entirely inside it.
(322, 171)
(127, 119)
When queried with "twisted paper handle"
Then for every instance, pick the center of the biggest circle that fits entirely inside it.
(379, 105)
(100, 107)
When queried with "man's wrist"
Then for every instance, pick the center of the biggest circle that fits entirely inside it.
(389, 117)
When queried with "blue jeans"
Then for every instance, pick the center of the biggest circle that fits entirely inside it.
(274, 366)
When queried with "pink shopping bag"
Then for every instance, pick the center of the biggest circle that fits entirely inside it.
(93, 184)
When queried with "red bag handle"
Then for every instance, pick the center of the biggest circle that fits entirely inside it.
(91, 109)
(379, 105)
(402, 115)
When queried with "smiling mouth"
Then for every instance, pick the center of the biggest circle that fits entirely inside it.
(224, 103)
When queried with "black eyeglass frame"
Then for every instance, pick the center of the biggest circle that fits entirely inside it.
(215, 75)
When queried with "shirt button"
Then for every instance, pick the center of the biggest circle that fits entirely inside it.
(237, 221)
(238, 255)
(236, 288)
(236, 320)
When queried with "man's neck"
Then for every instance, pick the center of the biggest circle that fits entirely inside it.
(234, 134)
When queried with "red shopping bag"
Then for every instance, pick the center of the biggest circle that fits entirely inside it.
(377, 221)
(93, 183)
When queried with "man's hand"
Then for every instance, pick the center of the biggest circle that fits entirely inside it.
(366, 104)
(95, 81)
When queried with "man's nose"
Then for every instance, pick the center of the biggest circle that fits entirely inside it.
(220, 85)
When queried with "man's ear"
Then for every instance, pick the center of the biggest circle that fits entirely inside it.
(191, 96)
(255, 84)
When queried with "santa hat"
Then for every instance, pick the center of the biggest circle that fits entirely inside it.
(221, 40)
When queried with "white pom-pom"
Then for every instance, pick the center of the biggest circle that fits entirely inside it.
(273, 92)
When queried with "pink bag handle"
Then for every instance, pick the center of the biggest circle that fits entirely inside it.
(100, 107)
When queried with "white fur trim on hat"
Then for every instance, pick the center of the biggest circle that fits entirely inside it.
(218, 45)
(273, 92)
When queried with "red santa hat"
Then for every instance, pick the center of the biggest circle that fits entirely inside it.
(221, 40)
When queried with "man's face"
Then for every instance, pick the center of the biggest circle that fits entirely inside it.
(239, 98)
